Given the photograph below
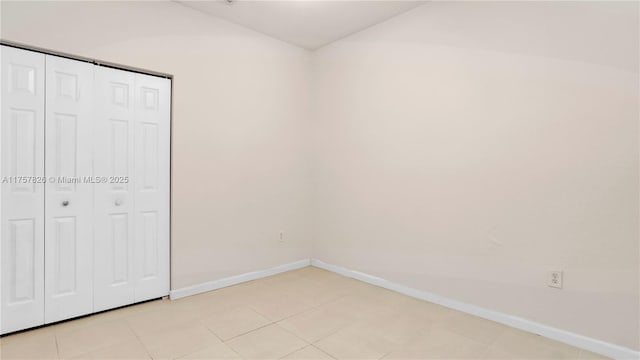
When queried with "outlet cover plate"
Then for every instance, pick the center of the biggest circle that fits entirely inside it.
(554, 279)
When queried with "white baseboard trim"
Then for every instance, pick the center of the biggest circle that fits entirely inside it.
(233, 280)
(567, 337)
(580, 341)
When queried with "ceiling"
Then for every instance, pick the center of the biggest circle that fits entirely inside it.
(306, 23)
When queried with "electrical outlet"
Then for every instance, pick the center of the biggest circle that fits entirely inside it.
(281, 236)
(555, 279)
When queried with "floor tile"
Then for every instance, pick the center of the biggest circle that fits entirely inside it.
(214, 351)
(308, 353)
(160, 320)
(427, 311)
(439, 344)
(307, 313)
(231, 323)
(515, 343)
(473, 327)
(34, 344)
(315, 324)
(132, 349)
(220, 300)
(357, 307)
(81, 340)
(356, 342)
(271, 342)
(276, 305)
(397, 329)
(179, 342)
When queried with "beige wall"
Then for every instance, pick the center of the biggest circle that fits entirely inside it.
(468, 148)
(240, 121)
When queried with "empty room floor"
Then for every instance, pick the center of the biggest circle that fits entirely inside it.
(303, 314)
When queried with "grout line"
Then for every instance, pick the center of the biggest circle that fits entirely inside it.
(351, 323)
(222, 341)
(313, 307)
(296, 335)
(331, 356)
(144, 346)
(250, 331)
(195, 349)
(294, 351)
(55, 336)
(331, 334)
(275, 322)
(250, 306)
(211, 331)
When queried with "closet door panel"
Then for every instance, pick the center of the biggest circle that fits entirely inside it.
(152, 155)
(114, 201)
(22, 189)
(69, 191)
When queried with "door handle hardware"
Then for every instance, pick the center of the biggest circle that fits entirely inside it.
(65, 203)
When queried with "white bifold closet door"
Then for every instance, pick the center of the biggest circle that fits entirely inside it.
(84, 159)
(152, 173)
(131, 218)
(114, 207)
(22, 205)
(68, 199)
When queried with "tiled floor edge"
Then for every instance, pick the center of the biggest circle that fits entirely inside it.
(567, 337)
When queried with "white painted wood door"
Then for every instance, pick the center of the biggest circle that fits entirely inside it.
(95, 234)
(152, 156)
(114, 200)
(22, 208)
(131, 218)
(69, 198)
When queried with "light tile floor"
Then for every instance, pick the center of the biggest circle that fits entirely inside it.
(304, 314)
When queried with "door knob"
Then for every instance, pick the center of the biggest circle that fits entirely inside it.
(118, 202)
(65, 203)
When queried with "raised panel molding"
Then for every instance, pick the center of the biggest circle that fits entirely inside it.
(119, 152)
(150, 98)
(119, 238)
(67, 85)
(150, 156)
(23, 260)
(150, 239)
(120, 94)
(66, 262)
(23, 147)
(66, 142)
(22, 79)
